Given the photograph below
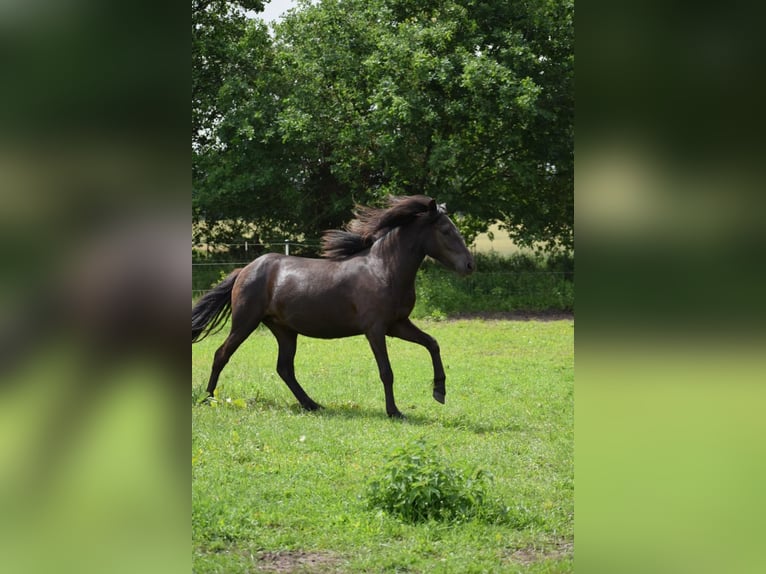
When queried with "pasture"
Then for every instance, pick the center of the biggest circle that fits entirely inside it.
(277, 489)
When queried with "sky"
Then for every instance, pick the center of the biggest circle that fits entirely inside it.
(274, 9)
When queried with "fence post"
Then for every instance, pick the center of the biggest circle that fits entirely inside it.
(287, 247)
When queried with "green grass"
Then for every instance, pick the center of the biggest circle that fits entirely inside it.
(277, 489)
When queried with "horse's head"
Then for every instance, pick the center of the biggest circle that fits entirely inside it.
(444, 243)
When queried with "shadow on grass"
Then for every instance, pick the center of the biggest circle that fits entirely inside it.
(354, 411)
(461, 422)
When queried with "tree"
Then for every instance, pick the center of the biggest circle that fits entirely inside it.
(217, 29)
(470, 101)
(237, 167)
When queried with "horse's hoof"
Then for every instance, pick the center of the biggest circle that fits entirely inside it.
(397, 415)
(439, 396)
(311, 407)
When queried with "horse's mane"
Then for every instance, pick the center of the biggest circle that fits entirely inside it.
(371, 223)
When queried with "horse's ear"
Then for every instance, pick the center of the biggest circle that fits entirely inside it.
(432, 207)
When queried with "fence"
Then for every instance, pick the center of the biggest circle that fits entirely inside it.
(229, 256)
(439, 291)
(257, 247)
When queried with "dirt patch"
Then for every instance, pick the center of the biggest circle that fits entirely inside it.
(516, 316)
(530, 555)
(297, 561)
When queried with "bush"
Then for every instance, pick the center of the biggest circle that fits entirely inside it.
(521, 282)
(416, 486)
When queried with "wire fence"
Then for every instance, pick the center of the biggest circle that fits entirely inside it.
(494, 281)
(213, 261)
(531, 288)
(256, 247)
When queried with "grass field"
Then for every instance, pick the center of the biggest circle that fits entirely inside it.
(276, 489)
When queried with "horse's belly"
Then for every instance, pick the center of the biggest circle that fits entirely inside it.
(317, 303)
(320, 319)
(328, 331)
(320, 325)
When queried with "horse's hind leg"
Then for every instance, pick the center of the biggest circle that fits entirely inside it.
(288, 344)
(239, 332)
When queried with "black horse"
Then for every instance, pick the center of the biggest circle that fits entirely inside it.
(364, 285)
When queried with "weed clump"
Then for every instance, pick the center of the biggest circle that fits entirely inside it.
(416, 486)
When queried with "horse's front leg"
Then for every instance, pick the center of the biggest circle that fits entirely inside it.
(378, 344)
(407, 331)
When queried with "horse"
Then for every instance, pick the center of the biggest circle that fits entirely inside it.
(364, 284)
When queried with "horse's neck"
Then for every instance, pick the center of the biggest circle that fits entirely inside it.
(400, 256)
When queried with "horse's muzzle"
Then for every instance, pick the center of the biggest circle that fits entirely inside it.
(466, 267)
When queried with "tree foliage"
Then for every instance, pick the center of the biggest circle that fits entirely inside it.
(470, 101)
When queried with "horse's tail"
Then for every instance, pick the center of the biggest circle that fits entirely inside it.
(211, 311)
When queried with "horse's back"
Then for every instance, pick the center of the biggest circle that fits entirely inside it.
(315, 297)
(253, 281)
